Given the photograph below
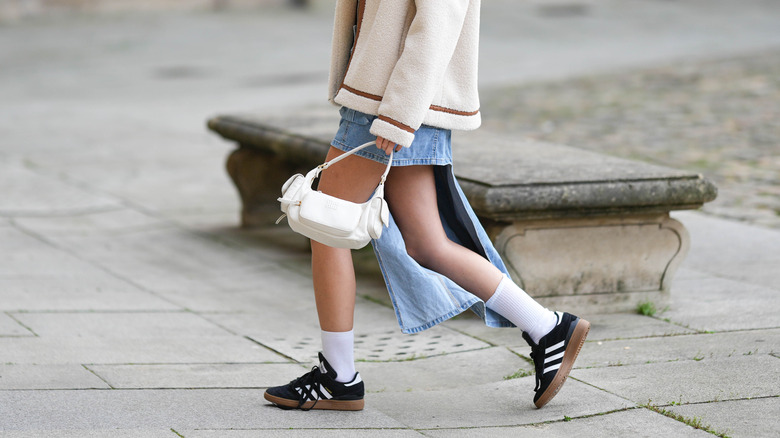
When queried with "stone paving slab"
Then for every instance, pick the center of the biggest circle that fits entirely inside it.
(24, 254)
(294, 319)
(689, 381)
(455, 370)
(380, 345)
(248, 290)
(10, 327)
(673, 348)
(175, 260)
(91, 290)
(25, 192)
(737, 418)
(119, 325)
(603, 327)
(177, 409)
(70, 376)
(186, 376)
(135, 167)
(171, 250)
(154, 350)
(91, 433)
(506, 403)
(716, 304)
(633, 423)
(742, 252)
(140, 183)
(110, 221)
(302, 433)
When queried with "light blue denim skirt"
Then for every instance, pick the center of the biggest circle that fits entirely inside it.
(430, 146)
(421, 297)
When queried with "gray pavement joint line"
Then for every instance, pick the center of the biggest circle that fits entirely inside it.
(413, 358)
(271, 349)
(685, 420)
(73, 182)
(602, 389)
(472, 336)
(97, 265)
(202, 315)
(98, 376)
(68, 311)
(562, 420)
(131, 205)
(177, 433)
(162, 388)
(649, 402)
(22, 324)
(59, 213)
(244, 429)
(181, 309)
(521, 356)
(93, 364)
(708, 402)
(685, 326)
(698, 333)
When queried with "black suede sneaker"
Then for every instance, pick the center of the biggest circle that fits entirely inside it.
(555, 355)
(318, 389)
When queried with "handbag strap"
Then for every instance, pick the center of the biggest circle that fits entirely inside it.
(327, 164)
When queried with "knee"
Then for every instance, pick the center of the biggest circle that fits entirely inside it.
(429, 253)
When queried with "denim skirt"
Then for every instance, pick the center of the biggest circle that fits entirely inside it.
(430, 146)
(421, 297)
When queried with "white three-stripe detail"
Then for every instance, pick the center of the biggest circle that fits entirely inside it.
(551, 368)
(554, 347)
(552, 358)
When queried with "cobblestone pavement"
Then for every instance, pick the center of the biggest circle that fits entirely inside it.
(720, 118)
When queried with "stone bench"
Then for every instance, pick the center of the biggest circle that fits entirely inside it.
(577, 229)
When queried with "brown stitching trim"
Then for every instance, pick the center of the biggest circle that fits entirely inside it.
(361, 10)
(361, 93)
(432, 107)
(396, 123)
(452, 111)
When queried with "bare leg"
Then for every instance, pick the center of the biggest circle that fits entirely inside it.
(354, 179)
(411, 196)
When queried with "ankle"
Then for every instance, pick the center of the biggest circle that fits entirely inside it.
(338, 350)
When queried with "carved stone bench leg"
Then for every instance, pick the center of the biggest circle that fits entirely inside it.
(258, 177)
(606, 264)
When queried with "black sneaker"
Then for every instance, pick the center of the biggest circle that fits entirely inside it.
(555, 355)
(318, 389)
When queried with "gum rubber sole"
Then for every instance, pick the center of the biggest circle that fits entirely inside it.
(335, 405)
(569, 356)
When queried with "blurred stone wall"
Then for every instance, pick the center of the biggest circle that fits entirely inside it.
(11, 10)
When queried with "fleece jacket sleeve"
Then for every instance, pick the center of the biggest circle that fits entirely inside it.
(418, 74)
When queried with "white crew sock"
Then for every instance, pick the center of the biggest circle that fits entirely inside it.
(338, 349)
(514, 304)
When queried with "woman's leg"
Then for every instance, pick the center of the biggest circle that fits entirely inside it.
(354, 179)
(335, 384)
(411, 196)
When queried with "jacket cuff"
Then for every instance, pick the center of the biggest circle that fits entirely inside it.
(392, 130)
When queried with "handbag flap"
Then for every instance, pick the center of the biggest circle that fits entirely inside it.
(337, 216)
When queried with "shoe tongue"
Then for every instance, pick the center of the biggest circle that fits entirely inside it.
(326, 368)
(529, 340)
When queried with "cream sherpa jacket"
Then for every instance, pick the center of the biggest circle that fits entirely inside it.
(414, 62)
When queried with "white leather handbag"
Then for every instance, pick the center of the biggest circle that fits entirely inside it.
(330, 220)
